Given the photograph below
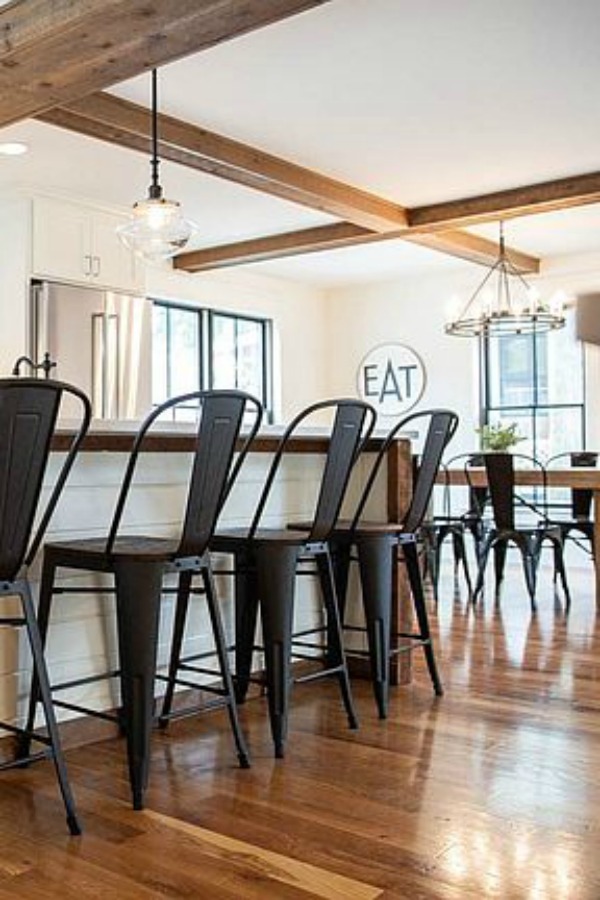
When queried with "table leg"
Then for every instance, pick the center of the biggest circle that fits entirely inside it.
(138, 589)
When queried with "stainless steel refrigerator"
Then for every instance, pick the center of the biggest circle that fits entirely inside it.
(100, 340)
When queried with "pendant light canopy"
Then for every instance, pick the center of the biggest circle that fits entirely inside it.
(505, 304)
(157, 229)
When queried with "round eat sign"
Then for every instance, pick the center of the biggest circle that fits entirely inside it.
(391, 378)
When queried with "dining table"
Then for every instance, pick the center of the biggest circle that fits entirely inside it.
(582, 477)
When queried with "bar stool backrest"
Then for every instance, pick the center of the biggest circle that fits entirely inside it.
(353, 424)
(220, 417)
(29, 411)
(442, 424)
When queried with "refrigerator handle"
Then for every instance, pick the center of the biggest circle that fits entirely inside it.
(111, 366)
(38, 332)
(98, 356)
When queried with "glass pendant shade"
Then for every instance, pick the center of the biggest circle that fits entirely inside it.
(505, 304)
(157, 229)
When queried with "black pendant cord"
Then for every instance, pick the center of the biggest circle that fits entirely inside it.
(155, 190)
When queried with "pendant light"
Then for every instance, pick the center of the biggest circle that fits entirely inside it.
(157, 229)
(505, 304)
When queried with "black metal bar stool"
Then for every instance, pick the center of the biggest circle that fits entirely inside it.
(377, 546)
(138, 564)
(266, 561)
(28, 414)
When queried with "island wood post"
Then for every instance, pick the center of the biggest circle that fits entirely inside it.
(399, 494)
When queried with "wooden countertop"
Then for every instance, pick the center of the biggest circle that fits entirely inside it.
(111, 440)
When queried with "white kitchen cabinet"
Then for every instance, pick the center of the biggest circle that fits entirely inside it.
(77, 243)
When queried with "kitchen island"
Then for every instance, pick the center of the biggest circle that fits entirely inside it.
(82, 639)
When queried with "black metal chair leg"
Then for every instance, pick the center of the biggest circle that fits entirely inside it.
(340, 553)
(39, 667)
(409, 549)
(482, 562)
(335, 654)
(138, 582)
(276, 572)
(43, 618)
(500, 548)
(221, 648)
(246, 615)
(460, 554)
(375, 559)
(181, 610)
(559, 568)
(529, 556)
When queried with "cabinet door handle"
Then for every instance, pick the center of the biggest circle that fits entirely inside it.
(95, 266)
(87, 268)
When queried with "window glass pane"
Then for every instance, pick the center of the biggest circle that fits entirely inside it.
(159, 354)
(223, 352)
(250, 357)
(558, 430)
(184, 351)
(564, 365)
(511, 370)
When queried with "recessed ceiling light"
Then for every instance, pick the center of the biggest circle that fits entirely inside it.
(14, 148)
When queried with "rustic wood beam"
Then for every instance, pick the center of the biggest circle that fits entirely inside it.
(52, 51)
(127, 124)
(466, 246)
(294, 243)
(563, 193)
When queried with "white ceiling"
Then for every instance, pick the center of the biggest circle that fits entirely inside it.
(418, 102)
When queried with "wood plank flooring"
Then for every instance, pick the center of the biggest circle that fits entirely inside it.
(490, 791)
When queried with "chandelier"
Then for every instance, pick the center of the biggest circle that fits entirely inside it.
(157, 229)
(505, 304)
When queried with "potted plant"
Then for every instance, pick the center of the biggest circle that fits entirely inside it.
(499, 438)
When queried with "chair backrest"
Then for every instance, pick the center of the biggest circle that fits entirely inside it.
(220, 417)
(353, 424)
(581, 498)
(477, 495)
(500, 470)
(29, 410)
(442, 424)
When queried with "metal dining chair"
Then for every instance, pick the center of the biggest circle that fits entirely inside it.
(139, 562)
(29, 410)
(576, 521)
(266, 561)
(507, 503)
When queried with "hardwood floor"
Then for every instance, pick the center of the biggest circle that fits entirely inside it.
(491, 791)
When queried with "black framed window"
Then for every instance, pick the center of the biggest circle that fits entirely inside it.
(537, 381)
(198, 349)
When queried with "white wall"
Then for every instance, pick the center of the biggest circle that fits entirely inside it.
(413, 312)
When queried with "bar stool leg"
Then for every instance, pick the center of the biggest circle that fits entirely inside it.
(246, 615)
(276, 573)
(375, 561)
(409, 549)
(43, 619)
(221, 647)
(39, 668)
(181, 610)
(336, 658)
(138, 587)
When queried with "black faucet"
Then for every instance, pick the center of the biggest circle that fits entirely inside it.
(46, 365)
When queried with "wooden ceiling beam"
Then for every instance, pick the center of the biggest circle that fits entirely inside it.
(53, 51)
(461, 244)
(127, 124)
(562, 193)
